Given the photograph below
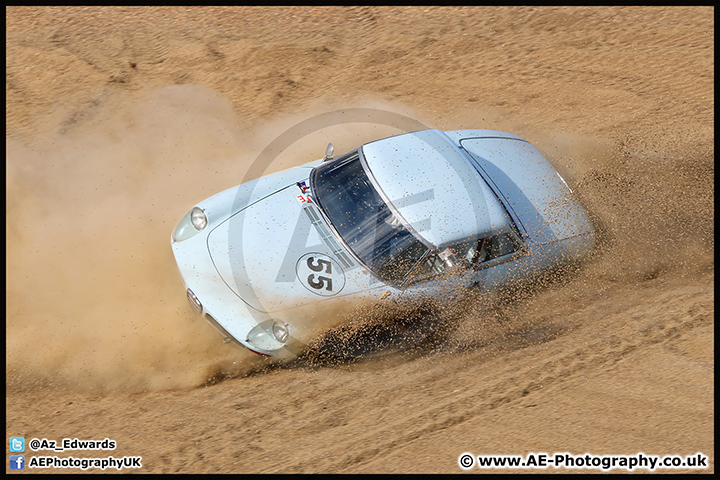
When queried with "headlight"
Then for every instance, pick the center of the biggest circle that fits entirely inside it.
(269, 335)
(194, 221)
(198, 218)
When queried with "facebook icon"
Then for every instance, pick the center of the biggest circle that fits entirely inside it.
(17, 462)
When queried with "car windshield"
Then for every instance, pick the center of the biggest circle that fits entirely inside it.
(366, 224)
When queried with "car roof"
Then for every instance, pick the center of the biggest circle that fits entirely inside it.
(434, 187)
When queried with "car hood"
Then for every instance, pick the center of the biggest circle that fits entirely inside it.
(278, 253)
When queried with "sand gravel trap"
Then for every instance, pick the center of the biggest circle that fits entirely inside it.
(120, 119)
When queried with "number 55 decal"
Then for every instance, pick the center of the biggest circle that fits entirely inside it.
(320, 274)
(321, 280)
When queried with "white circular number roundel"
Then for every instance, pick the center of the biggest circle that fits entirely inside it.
(320, 274)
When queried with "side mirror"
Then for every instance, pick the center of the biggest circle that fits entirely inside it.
(329, 151)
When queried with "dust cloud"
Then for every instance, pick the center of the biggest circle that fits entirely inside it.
(94, 299)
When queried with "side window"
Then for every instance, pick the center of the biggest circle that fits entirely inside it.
(494, 247)
(485, 249)
(470, 254)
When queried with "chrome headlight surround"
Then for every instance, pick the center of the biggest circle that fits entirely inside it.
(193, 222)
(269, 335)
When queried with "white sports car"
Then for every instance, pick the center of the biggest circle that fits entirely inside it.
(270, 261)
